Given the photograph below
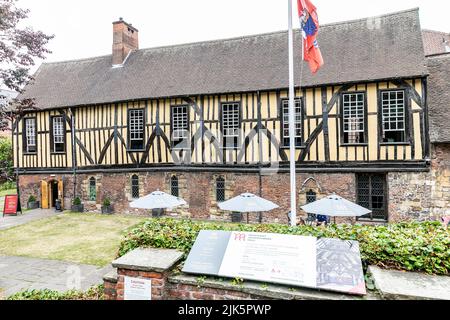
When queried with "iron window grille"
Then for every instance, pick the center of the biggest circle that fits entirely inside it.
(298, 121)
(92, 189)
(180, 127)
(393, 116)
(30, 135)
(136, 129)
(353, 118)
(231, 123)
(58, 134)
(174, 186)
(372, 194)
(135, 187)
(220, 189)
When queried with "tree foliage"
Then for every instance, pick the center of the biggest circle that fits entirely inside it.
(20, 47)
(6, 160)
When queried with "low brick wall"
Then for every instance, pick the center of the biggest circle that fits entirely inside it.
(167, 284)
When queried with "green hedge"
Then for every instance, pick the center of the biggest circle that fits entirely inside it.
(94, 293)
(415, 246)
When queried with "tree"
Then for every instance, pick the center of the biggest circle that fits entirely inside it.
(19, 48)
(6, 160)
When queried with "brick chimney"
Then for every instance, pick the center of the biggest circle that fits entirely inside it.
(125, 39)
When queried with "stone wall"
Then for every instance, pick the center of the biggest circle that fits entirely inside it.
(422, 196)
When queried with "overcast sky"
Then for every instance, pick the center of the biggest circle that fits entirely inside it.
(83, 28)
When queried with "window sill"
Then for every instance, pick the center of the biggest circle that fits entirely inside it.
(395, 144)
(30, 153)
(354, 145)
(57, 153)
(297, 148)
(137, 150)
(371, 220)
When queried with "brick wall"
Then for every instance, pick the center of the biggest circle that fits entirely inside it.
(158, 283)
(420, 195)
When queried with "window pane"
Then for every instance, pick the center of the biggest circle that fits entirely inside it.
(393, 115)
(30, 134)
(58, 134)
(297, 122)
(371, 195)
(135, 187)
(180, 126)
(136, 129)
(220, 190)
(353, 117)
(174, 188)
(92, 190)
(231, 124)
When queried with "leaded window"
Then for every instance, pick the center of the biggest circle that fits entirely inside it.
(297, 122)
(30, 135)
(371, 194)
(220, 189)
(135, 187)
(311, 197)
(92, 189)
(174, 186)
(353, 118)
(180, 127)
(58, 133)
(393, 116)
(136, 129)
(231, 123)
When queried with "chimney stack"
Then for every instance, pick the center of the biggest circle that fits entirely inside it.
(125, 39)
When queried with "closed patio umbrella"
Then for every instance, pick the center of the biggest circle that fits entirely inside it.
(157, 200)
(335, 206)
(246, 203)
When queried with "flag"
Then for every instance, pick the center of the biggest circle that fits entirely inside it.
(309, 21)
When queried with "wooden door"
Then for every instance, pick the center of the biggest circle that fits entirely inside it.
(61, 193)
(44, 195)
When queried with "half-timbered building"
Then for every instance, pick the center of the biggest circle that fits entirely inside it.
(207, 121)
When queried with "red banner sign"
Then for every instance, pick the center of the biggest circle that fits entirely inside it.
(11, 205)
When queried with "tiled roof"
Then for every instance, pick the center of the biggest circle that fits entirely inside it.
(435, 42)
(383, 47)
(439, 98)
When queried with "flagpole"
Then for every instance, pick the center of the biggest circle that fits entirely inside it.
(292, 121)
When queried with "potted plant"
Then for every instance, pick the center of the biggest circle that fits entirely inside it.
(77, 206)
(107, 207)
(32, 203)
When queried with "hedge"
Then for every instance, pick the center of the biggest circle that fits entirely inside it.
(94, 293)
(414, 246)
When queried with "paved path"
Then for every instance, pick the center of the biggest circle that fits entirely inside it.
(18, 273)
(32, 215)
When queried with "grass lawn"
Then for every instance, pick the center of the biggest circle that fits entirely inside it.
(81, 238)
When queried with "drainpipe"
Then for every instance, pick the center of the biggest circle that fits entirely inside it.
(74, 155)
(14, 128)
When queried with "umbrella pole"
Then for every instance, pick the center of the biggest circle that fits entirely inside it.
(248, 221)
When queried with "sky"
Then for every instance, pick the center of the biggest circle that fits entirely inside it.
(83, 28)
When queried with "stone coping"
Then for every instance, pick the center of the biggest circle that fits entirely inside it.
(268, 291)
(111, 276)
(401, 285)
(150, 260)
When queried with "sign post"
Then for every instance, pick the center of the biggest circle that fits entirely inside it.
(11, 206)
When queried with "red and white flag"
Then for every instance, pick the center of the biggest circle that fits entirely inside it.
(309, 21)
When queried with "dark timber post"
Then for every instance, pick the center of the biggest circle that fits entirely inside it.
(74, 154)
(260, 154)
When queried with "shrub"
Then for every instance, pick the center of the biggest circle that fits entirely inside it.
(94, 293)
(31, 198)
(106, 202)
(76, 201)
(423, 247)
(8, 185)
(6, 161)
